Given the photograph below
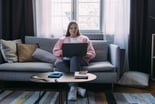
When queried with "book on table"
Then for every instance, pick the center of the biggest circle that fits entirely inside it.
(78, 75)
(55, 75)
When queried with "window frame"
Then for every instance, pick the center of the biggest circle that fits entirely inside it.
(88, 32)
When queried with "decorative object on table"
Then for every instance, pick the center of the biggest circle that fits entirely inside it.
(80, 75)
(39, 78)
(55, 75)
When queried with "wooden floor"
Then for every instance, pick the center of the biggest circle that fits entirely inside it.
(149, 89)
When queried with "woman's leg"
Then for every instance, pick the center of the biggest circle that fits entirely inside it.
(72, 65)
(76, 64)
(72, 95)
(62, 66)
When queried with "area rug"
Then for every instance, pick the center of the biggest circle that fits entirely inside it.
(49, 97)
(134, 98)
(52, 97)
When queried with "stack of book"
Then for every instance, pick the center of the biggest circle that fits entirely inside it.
(78, 75)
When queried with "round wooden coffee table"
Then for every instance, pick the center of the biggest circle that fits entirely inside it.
(65, 78)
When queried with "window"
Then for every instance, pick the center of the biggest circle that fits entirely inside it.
(86, 12)
(52, 16)
(98, 19)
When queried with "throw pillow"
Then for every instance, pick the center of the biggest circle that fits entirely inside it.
(8, 50)
(43, 55)
(25, 52)
(134, 79)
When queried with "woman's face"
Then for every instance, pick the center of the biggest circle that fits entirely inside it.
(73, 30)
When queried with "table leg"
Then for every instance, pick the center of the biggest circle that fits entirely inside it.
(41, 93)
(87, 97)
(60, 96)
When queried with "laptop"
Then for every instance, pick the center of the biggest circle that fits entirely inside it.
(74, 49)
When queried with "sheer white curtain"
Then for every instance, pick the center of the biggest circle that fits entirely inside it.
(47, 23)
(116, 23)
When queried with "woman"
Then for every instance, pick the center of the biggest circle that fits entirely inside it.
(74, 63)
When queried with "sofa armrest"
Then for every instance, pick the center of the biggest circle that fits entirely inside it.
(114, 53)
(1, 58)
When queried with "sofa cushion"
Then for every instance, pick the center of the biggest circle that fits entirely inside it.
(100, 67)
(44, 43)
(134, 79)
(43, 55)
(8, 50)
(101, 49)
(25, 52)
(27, 66)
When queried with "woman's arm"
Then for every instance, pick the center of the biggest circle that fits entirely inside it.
(57, 49)
(90, 51)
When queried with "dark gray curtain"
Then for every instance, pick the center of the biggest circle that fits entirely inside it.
(17, 19)
(0, 19)
(139, 39)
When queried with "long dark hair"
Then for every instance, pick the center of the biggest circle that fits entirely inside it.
(69, 25)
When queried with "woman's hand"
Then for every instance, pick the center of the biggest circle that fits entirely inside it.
(87, 56)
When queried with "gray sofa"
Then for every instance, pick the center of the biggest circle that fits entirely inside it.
(105, 65)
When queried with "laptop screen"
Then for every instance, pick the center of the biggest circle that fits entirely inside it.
(74, 49)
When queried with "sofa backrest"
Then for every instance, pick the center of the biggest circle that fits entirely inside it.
(44, 43)
(101, 49)
(100, 46)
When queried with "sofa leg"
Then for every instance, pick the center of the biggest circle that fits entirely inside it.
(112, 87)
